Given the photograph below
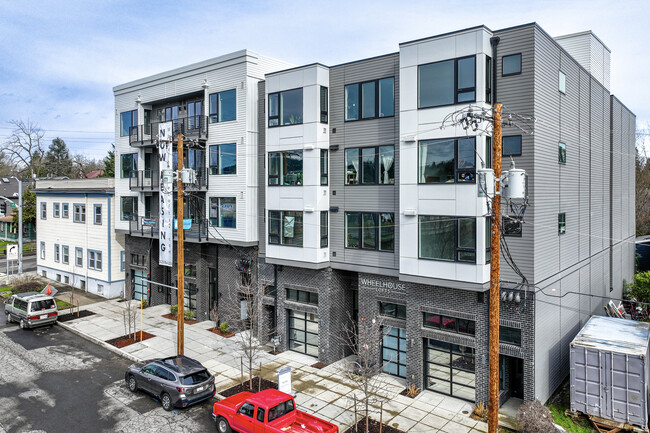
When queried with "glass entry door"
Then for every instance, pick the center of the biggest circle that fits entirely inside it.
(303, 332)
(393, 352)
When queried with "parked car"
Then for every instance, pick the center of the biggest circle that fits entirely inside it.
(269, 411)
(178, 381)
(31, 309)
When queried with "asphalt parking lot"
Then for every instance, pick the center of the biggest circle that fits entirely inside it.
(54, 381)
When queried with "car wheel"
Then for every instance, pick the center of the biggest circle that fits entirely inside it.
(223, 426)
(23, 324)
(166, 402)
(132, 384)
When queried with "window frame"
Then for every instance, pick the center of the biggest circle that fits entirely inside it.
(56, 210)
(360, 161)
(324, 113)
(377, 105)
(324, 167)
(96, 257)
(95, 215)
(134, 122)
(79, 259)
(377, 231)
(561, 152)
(282, 156)
(324, 229)
(134, 165)
(398, 308)
(488, 79)
(456, 89)
(42, 250)
(214, 116)
(57, 253)
(65, 254)
(135, 211)
(457, 248)
(280, 234)
(218, 208)
(457, 170)
(65, 210)
(218, 168)
(455, 330)
(521, 66)
(278, 117)
(514, 341)
(521, 145)
(122, 261)
(561, 223)
(310, 298)
(82, 213)
(561, 82)
(43, 210)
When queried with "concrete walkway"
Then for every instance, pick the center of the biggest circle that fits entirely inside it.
(324, 392)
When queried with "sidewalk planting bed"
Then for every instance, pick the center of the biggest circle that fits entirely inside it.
(218, 332)
(71, 316)
(373, 427)
(172, 317)
(127, 340)
(257, 386)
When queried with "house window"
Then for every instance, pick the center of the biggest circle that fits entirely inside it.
(561, 223)
(82, 284)
(562, 82)
(122, 261)
(449, 324)
(447, 161)
(285, 228)
(66, 279)
(285, 168)
(372, 231)
(95, 260)
(370, 165)
(285, 108)
(323, 166)
(488, 239)
(488, 79)
(561, 153)
(79, 257)
(98, 214)
(223, 159)
(65, 250)
(511, 145)
(511, 65)
(57, 256)
(446, 83)
(129, 165)
(129, 208)
(510, 335)
(58, 277)
(395, 311)
(43, 250)
(127, 120)
(323, 104)
(43, 210)
(56, 210)
(512, 226)
(324, 228)
(223, 212)
(223, 106)
(190, 270)
(66, 210)
(302, 296)
(79, 213)
(370, 100)
(447, 238)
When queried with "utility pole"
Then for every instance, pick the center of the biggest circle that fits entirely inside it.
(180, 313)
(495, 288)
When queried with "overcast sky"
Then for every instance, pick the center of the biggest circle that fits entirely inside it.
(59, 60)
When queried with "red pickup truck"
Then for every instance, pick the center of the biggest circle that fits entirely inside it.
(269, 411)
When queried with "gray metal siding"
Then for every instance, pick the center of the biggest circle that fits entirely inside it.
(375, 132)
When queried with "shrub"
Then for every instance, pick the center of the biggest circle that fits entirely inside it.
(412, 391)
(173, 310)
(480, 411)
(534, 417)
(145, 304)
(640, 290)
(189, 315)
(224, 328)
(27, 283)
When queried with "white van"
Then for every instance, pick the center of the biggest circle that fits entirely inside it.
(31, 309)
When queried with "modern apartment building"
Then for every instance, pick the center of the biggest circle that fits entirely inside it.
(76, 240)
(213, 104)
(348, 194)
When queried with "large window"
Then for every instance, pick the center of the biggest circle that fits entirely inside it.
(447, 161)
(223, 159)
(285, 108)
(324, 228)
(79, 213)
(95, 260)
(372, 231)
(303, 334)
(510, 335)
(511, 65)
(285, 228)
(285, 168)
(370, 165)
(446, 83)
(393, 352)
(450, 369)
(511, 145)
(370, 100)
(223, 212)
(449, 324)
(223, 106)
(127, 120)
(389, 309)
(324, 103)
(302, 296)
(447, 238)
(323, 166)
(129, 165)
(129, 208)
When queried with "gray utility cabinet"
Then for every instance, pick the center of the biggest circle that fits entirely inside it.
(609, 371)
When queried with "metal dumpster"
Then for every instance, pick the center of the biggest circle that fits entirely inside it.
(609, 371)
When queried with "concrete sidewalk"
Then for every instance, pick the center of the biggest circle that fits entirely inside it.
(324, 392)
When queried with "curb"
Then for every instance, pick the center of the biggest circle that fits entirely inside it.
(99, 342)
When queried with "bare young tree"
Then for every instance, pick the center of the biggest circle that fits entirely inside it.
(83, 165)
(364, 368)
(130, 316)
(24, 147)
(642, 183)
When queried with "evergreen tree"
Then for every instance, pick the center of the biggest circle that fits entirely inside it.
(109, 163)
(29, 208)
(57, 159)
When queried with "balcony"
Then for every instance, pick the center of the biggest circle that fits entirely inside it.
(148, 228)
(192, 128)
(144, 180)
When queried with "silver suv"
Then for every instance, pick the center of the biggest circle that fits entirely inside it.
(177, 381)
(31, 309)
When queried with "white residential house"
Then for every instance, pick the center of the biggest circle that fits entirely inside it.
(77, 242)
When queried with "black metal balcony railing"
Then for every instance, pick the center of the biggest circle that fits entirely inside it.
(192, 128)
(149, 227)
(144, 180)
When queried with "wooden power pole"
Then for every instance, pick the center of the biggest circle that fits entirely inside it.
(495, 288)
(180, 266)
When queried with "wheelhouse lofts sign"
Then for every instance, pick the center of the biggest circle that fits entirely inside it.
(166, 240)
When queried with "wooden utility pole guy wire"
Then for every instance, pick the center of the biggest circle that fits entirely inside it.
(180, 268)
(495, 257)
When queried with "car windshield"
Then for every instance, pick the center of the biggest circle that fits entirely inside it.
(281, 410)
(194, 378)
(44, 304)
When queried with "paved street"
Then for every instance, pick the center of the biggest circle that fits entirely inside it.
(53, 381)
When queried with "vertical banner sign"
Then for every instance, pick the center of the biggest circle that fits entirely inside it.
(166, 240)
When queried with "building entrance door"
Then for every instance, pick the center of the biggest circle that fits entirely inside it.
(303, 332)
(393, 352)
(212, 290)
(516, 377)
